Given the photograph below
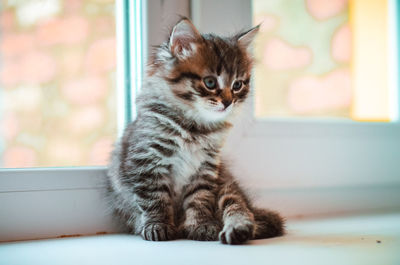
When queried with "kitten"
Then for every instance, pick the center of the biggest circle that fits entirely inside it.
(166, 179)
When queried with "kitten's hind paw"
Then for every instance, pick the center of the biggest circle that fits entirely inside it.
(237, 233)
(203, 232)
(158, 232)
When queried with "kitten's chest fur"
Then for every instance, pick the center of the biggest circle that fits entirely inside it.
(189, 158)
(187, 161)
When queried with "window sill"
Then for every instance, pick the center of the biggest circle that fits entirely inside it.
(48, 203)
(372, 239)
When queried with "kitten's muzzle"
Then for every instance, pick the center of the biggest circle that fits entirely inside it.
(226, 103)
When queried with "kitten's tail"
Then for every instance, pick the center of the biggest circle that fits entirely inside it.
(268, 224)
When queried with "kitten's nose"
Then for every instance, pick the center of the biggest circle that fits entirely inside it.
(226, 102)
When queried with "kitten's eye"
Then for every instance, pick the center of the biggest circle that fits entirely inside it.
(237, 85)
(210, 82)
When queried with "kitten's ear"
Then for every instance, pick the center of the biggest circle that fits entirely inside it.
(183, 38)
(246, 38)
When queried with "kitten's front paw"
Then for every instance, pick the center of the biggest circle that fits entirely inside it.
(158, 232)
(202, 232)
(237, 232)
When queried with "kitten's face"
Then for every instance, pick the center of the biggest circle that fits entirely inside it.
(208, 73)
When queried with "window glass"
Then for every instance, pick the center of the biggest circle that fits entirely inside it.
(324, 58)
(57, 82)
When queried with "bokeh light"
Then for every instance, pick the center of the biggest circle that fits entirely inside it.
(57, 82)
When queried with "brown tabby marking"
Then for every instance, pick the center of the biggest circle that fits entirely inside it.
(166, 179)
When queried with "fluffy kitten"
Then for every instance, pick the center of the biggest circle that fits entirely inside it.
(166, 179)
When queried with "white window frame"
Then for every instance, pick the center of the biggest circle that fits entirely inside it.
(50, 202)
(309, 166)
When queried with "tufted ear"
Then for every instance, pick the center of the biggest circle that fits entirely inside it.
(182, 42)
(246, 38)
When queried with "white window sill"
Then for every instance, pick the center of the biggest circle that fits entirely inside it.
(372, 239)
(47, 203)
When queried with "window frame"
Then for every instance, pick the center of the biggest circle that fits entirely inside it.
(56, 201)
(332, 135)
(50, 202)
(298, 164)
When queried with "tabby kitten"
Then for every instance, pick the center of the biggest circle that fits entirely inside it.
(166, 179)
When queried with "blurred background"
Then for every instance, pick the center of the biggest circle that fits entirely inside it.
(57, 82)
(324, 58)
(315, 59)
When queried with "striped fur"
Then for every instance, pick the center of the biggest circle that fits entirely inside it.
(166, 179)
